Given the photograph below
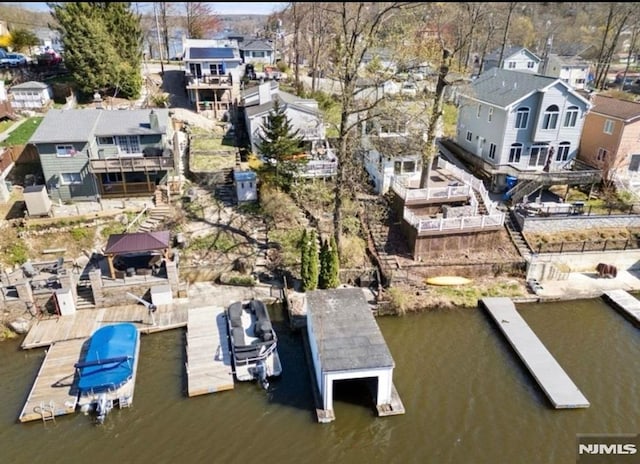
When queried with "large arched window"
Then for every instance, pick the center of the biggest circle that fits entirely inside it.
(550, 120)
(522, 118)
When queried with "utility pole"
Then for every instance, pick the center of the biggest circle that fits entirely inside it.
(155, 12)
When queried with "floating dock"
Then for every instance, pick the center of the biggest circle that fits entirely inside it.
(625, 303)
(553, 380)
(53, 393)
(208, 363)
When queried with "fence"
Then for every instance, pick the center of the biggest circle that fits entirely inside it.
(586, 246)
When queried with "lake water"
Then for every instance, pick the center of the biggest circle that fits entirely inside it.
(467, 396)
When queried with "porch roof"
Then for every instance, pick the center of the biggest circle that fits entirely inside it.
(137, 242)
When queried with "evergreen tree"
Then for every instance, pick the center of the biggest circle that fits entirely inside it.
(325, 257)
(333, 265)
(310, 261)
(102, 46)
(279, 142)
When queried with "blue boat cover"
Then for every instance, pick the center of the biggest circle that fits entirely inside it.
(110, 358)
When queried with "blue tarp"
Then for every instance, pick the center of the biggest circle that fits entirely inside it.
(110, 358)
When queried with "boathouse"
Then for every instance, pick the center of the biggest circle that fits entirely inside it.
(346, 343)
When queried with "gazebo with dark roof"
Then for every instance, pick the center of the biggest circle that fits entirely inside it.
(137, 242)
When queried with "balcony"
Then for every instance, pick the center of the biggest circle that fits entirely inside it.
(439, 225)
(132, 164)
(208, 82)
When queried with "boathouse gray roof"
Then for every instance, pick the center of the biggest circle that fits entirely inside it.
(348, 336)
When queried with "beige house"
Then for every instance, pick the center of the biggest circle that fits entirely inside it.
(611, 138)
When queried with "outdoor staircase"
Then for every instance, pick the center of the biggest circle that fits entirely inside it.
(482, 208)
(85, 297)
(156, 217)
(224, 190)
(522, 189)
(516, 237)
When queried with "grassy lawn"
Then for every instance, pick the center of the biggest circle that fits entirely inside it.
(4, 125)
(22, 134)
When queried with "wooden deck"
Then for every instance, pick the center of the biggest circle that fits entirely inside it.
(208, 363)
(553, 380)
(53, 393)
(625, 303)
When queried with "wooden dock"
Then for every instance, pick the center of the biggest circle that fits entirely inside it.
(625, 303)
(53, 393)
(208, 363)
(553, 380)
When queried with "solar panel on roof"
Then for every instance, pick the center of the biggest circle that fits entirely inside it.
(210, 53)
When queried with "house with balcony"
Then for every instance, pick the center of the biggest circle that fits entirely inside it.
(304, 116)
(611, 139)
(90, 153)
(573, 69)
(212, 72)
(522, 130)
(389, 150)
(513, 59)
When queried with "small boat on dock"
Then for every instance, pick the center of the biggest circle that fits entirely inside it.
(253, 342)
(106, 375)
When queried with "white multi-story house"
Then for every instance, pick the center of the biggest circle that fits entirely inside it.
(30, 95)
(522, 126)
(571, 69)
(513, 59)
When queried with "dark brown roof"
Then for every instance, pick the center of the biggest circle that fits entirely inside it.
(137, 242)
(621, 109)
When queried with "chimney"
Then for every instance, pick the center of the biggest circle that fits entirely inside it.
(264, 93)
(153, 120)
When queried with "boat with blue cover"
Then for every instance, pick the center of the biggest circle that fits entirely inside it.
(253, 342)
(106, 375)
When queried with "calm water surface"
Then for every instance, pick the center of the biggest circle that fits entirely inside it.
(467, 396)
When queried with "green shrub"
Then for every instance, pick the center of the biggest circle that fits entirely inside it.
(18, 252)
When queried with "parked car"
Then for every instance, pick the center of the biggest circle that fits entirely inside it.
(13, 60)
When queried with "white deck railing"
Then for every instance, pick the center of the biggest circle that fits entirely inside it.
(469, 179)
(456, 223)
(440, 193)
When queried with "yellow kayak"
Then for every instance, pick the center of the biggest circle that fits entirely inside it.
(448, 280)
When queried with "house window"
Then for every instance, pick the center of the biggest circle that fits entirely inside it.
(530, 64)
(563, 151)
(128, 143)
(469, 136)
(216, 69)
(105, 140)
(70, 178)
(550, 120)
(492, 151)
(511, 65)
(409, 166)
(479, 110)
(258, 54)
(522, 118)
(571, 116)
(579, 81)
(490, 115)
(602, 154)
(608, 127)
(65, 151)
(538, 155)
(397, 167)
(634, 163)
(515, 152)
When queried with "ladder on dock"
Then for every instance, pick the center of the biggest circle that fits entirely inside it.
(47, 411)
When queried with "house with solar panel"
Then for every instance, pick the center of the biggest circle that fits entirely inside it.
(213, 69)
(90, 153)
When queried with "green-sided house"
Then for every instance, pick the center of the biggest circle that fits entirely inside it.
(86, 153)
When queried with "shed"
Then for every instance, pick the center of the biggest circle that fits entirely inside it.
(245, 186)
(37, 200)
(346, 343)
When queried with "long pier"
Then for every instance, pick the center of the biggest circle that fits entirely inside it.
(625, 303)
(553, 380)
(208, 363)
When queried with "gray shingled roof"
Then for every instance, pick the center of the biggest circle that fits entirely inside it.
(502, 87)
(628, 111)
(347, 334)
(79, 125)
(256, 44)
(509, 51)
(30, 85)
(285, 98)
